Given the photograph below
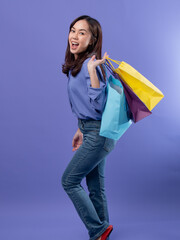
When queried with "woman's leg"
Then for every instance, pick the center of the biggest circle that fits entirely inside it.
(91, 153)
(96, 187)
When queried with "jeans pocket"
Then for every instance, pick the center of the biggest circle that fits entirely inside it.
(109, 144)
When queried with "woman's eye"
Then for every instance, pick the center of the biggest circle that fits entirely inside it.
(81, 33)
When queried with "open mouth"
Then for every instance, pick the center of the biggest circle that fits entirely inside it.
(74, 45)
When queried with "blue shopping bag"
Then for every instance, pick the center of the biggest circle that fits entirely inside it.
(115, 118)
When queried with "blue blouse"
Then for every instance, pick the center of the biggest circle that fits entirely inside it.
(86, 102)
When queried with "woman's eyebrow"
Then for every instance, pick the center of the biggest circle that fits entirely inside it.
(81, 29)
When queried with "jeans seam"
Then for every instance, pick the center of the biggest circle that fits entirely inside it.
(100, 189)
(80, 209)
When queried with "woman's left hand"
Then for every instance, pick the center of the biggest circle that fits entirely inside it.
(93, 64)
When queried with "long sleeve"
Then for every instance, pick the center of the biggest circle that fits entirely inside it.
(97, 96)
(86, 102)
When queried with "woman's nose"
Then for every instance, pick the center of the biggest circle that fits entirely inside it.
(75, 35)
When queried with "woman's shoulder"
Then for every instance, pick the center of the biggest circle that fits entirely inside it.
(84, 66)
(86, 61)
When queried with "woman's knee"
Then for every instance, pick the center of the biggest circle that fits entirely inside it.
(68, 182)
(64, 181)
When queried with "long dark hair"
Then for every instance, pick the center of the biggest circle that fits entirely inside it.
(95, 49)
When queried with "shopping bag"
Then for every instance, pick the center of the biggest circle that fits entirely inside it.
(149, 94)
(137, 108)
(115, 120)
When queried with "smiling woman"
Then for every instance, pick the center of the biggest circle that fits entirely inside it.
(79, 37)
(87, 96)
(84, 40)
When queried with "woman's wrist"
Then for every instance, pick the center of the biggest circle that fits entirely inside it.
(91, 69)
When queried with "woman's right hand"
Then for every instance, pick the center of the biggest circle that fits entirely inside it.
(77, 140)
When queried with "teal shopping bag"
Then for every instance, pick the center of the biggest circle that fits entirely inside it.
(115, 120)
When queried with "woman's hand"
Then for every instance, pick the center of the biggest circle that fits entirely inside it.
(77, 140)
(92, 70)
(93, 64)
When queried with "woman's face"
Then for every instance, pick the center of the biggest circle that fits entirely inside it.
(79, 37)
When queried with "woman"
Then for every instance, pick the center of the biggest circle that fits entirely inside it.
(87, 96)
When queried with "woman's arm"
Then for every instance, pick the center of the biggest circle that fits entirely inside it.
(92, 70)
(94, 79)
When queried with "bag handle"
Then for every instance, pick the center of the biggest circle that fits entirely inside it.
(118, 62)
(109, 68)
(110, 65)
(114, 74)
(109, 62)
(104, 70)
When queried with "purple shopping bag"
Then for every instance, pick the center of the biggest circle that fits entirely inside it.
(138, 109)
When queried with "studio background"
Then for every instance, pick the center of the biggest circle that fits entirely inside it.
(37, 125)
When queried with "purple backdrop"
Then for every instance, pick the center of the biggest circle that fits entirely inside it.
(37, 125)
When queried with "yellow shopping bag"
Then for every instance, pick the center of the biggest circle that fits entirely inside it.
(149, 94)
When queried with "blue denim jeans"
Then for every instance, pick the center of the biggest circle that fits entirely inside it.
(89, 161)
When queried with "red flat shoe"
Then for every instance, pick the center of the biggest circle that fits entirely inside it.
(107, 232)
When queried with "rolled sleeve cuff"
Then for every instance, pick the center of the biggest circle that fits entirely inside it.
(94, 93)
